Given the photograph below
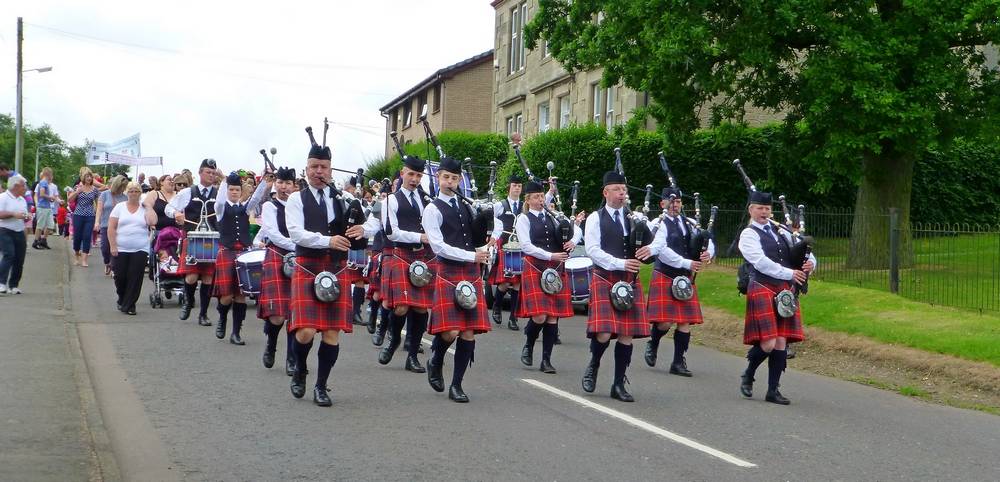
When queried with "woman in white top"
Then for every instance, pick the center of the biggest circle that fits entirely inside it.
(128, 235)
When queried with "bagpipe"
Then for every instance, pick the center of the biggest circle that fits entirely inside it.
(564, 226)
(639, 234)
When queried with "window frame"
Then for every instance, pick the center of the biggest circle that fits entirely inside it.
(543, 120)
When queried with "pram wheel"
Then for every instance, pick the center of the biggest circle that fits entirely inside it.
(155, 301)
(167, 295)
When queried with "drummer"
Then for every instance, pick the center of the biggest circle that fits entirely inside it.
(358, 291)
(276, 288)
(539, 238)
(234, 236)
(185, 208)
(374, 231)
(505, 212)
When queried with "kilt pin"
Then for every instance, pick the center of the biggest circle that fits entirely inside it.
(762, 321)
(534, 301)
(448, 316)
(201, 269)
(309, 312)
(397, 290)
(662, 307)
(275, 289)
(225, 282)
(604, 318)
(496, 274)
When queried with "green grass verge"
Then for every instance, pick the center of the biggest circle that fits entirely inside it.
(875, 314)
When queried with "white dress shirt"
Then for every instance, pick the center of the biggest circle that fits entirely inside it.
(295, 220)
(432, 220)
(753, 252)
(222, 200)
(180, 201)
(664, 253)
(592, 240)
(398, 235)
(523, 227)
(269, 226)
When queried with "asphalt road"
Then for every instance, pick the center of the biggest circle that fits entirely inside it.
(180, 404)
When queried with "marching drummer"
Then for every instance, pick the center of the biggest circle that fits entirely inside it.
(317, 225)
(448, 224)
(233, 220)
(767, 250)
(505, 280)
(674, 264)
(402, 220)
(276, 288)
(606, 237)
(186, 209)
(544, 251)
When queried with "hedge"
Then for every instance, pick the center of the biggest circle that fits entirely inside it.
(481, 148)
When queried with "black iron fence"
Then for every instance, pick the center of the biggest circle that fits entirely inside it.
(941, 264)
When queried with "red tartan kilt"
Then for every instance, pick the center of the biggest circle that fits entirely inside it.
(533, 301)
(307, 311)
(275, 296)
(396, 287)
(203, 270)
(604, 318)
(762, 321)
(225, 281)
(374, 276)
(662, 307)
(496, 274)
(447, 315)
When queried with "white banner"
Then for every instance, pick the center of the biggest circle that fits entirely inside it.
(110, 158)
(99, 151)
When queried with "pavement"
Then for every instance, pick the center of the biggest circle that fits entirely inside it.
(178, 404)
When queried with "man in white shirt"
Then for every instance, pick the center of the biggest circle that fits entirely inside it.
(13, 243)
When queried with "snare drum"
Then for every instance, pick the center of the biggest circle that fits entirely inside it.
(579, 271)
(202, 246)
(513, 261)
(357, 259)
(249, 270)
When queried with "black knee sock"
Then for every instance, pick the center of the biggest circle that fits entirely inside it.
(531, 332)
(438, 348)
(548, 340)
(416, 323)
(513, 303)
(681, 342)
(327, 355)
(597, 350)
(358, 299)
(623, 356)
(189, 290)
(290, 345)
(205, 293)
(656, 333)
(373, 307)
(223, 311)
(464, 354)
(755, 357)
(271, 330)
(498, 299)
(239, 314)
(775, 365)
(397, 328)
(301, 353)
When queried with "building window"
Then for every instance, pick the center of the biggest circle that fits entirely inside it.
(515, 123)
(510, 126)
(407, 114)
(543, 117)
(609, 113)
(564, 111)
(422, 102)
(595, 100)
(545, 49)
(395, 119)
(518, 15)
(437, 97)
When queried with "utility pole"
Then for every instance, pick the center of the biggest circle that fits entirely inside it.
(18, 129)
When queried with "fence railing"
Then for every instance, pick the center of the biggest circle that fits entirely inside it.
(942, 264)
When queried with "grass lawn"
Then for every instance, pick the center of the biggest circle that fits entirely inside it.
(876, 314)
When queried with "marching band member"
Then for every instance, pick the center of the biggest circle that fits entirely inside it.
(374, 230)
(317, 225)
(538, 234)
(767, 332)
(606, 236)
(233, 220)
(448, 224)
(276, 288)
(505, 212)
(358, 291)
(671, 247)
(402, 221)
(185, 208)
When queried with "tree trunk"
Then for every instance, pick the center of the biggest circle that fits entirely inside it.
(886, 182)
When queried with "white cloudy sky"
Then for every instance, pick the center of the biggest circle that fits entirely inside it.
(206, 79)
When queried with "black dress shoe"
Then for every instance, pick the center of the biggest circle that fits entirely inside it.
(455, 393)
(220, 329)
(202, 320)
(298, 385)
(774, 396)
(379, 337)
(289, 366)
(385, 355)
(650, 355)
(590, 378)
(370, 325)
(434, 377)
(413, 365)
(236, 339)
(558, 340)
(746, 385)
(496, 314)
(185, 312)
(130, 311)
(527, 355)
(268, 359)
(680, 368)
(357, 319)
(512, 324)
(321, 398)
(546, 367)
(618, 392)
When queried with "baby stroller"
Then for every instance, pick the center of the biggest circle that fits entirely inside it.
(163, 264)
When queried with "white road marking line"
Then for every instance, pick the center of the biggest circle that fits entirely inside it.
(427, 342)
(639, 423)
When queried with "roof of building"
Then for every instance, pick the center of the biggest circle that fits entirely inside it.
(441, 74)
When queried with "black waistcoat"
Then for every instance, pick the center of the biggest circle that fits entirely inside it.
(234, 226)
(192, 212)
(407, 218)
(456, 225)
(774, 250)
(315, 220)
(678, 242)
(507, 217)
(613, 241)
(543, 232)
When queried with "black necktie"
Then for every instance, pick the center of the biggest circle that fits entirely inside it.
(322, 202)
(454, 204)
(204, 192)
(413, 201)
(517, 208)
(680, 228)
(618, 221)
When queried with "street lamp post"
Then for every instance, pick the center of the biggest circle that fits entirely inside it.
(19, 127)
(37, 150)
